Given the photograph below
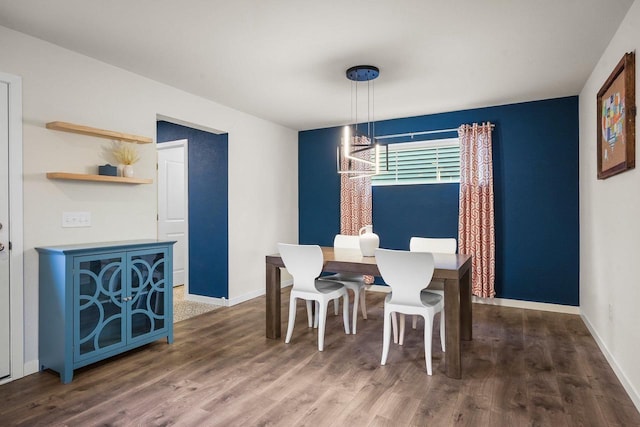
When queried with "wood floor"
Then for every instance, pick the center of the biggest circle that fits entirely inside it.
(523, 368)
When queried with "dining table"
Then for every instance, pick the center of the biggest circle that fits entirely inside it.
(454, 269)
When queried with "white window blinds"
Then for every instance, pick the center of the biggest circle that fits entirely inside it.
(424, 162)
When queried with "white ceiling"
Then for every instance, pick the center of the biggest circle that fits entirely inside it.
(285, 60)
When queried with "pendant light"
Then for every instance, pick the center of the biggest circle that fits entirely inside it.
(359, 153)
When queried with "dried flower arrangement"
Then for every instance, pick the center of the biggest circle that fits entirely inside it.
(125, 153)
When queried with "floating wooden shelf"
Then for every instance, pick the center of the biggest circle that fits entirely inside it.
(100, 133)
(100, 178)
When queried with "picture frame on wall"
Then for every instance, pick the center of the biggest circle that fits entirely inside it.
(616, 111)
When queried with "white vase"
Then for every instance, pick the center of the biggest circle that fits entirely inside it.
(369, 241)
(127, 171)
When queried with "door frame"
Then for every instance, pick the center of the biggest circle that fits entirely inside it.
(184, 143)
(16, 254)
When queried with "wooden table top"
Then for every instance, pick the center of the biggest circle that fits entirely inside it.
(339, 260)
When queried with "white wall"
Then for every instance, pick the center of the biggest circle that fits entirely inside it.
(610, 228)
(61, 85)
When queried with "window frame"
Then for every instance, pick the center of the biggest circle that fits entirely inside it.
(400, 146)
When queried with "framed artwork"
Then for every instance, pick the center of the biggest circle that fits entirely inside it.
(617, 120)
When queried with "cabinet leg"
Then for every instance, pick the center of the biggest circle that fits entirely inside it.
(66, 376)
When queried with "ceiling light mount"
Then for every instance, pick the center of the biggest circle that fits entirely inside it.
(363, 73)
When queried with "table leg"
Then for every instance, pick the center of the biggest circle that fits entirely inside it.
(273, 302)
(465, 306)
(452, 297)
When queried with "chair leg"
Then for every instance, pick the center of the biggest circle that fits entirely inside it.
(315, 322)
(356, 298)
(363, 303)
(401, 334)
(415, 321)
(322, 314)
(292, 319)
(336, 306)
(386, 336)
(394, 325)
(310, 313)
(442, 331)
(428, 327)
(345, 313)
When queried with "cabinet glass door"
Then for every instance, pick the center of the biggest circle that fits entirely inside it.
(148, 292)
(98, 318)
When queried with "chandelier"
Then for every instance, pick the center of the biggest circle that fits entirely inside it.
(359, 153)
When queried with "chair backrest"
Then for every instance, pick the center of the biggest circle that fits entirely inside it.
(346, 242)
(304, 263)
(406, 273)
(441, 246)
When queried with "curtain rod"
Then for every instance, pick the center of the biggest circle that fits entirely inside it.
(425, 132)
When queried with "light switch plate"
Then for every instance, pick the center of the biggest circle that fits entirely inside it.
(76, 219)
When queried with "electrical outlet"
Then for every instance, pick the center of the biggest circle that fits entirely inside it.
(76, 219)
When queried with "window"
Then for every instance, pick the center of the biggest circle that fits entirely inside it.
(425, 162)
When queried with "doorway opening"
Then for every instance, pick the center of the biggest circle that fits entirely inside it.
(206, 181)
(11, 234)
(173, 205)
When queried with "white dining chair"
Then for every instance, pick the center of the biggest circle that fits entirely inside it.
(354, 282)
(432, 245)
(304, 263)
(406, 273)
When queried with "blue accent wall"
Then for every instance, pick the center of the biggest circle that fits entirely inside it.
(535, 155)
(318, 187)
(208, 207)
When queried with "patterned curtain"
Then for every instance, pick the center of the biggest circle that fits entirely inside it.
(476, 229)
(355, 195)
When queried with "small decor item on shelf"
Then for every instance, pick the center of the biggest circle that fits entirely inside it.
(127, 171)
(127, 155)
(108, 170)
(369, 241)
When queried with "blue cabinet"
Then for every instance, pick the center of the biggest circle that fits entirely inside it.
(99, 300)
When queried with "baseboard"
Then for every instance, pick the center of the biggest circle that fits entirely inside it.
(556, 308)
(232, 301)
(530, 305)
(245, 297)
(28, 369)
(206, 300)
(631, 391)
(258, 293)
(31, 367)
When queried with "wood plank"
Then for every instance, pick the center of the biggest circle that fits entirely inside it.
(473, 406)
(397, 408)
(541, 376)
(544, 410)
(437, 403)
(301, 397)
(100, 133)
(222, 370)
(329, 406)
(97, 178)
(504, 331)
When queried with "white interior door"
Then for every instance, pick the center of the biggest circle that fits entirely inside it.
(5, 332)
(173, 205)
